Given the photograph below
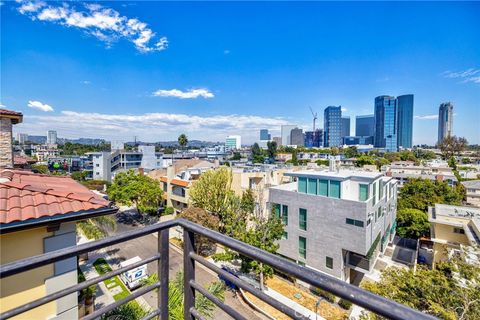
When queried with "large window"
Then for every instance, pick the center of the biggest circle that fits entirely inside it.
(302, 247)
(334, 189)
(323, 190)
(285, 214)
(374, 192)
(302, 219)
(276, 210)
(329, 262)
(285, 235)
(302, 184)
(363, 192)
(312, 186)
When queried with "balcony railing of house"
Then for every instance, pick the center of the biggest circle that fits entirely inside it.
(356, 295)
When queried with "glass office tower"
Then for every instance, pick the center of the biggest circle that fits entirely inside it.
(405, 120)
(386, 123)
(332, 119)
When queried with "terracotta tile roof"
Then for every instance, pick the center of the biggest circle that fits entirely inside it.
(181, 183)
(22, 160)
(25, 195)
(15, 116)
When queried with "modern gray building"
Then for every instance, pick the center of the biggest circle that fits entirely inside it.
(336, 222)
(345, 126)
(386, 123)
(365, 125)
(445, 121)
(286, 133)
(332, 119)
(405, 120)
(296, 137)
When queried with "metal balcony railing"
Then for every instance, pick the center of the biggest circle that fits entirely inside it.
(356, 295)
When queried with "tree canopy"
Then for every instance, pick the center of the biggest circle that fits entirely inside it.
(182, 140)
(143, 192)
(452, 145)
(421, 193)
(257, 154)
(451, 291)
(412, 223)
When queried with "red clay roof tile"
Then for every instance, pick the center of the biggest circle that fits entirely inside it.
(25, 195)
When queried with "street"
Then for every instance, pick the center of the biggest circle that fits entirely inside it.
(146, 247)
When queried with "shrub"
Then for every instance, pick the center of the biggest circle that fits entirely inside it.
(345, 304)
(330, 297)
(168, 210)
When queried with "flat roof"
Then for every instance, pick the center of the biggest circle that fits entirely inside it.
(473, 184)
(341, 174)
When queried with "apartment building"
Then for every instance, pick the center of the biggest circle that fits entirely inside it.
(404, 170)
(452, 227)
(473, 192)
(336, 222)
(177, 179)
(43, 152)
(106, 164)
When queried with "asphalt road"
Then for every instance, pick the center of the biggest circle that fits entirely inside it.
(146, 246)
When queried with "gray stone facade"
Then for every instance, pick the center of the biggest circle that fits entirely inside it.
(328, 234)
(6, 152)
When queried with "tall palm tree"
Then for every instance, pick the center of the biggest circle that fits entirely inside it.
(182, 141)
(176, 294)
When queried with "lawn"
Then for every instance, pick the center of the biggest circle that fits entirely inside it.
(103, 267)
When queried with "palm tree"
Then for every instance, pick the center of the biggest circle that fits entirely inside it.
(175, 296)
(97, 228)
(182, 140)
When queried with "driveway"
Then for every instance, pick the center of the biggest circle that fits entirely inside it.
(146, 247)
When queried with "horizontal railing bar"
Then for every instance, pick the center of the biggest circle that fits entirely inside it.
(152, 314)
(219, 303)
(379, 305)
(196, 314)
(116, 304)
(73, 251)
(80, 286)
(247, 287)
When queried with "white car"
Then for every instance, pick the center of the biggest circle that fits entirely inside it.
(132, 278)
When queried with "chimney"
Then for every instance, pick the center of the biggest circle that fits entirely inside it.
(7, 120)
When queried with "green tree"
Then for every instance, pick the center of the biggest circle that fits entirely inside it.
(272, 149)
(452, 163)
(130, 310)
(200, 216)
(212, 192)
(425, 154)
(182, 141)
(97, 228)
(435, 292)
(420, 193)
(351, 152)
(364, 160)
(176, 296)
(322, 162)
(236, 156)
(412, 223)
(257, 154)
(143, 192)
(452, 145)
(79, 175)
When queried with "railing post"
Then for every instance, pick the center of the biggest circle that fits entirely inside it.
(163, 267)
(188, 273)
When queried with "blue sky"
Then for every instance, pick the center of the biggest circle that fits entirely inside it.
(157, 69)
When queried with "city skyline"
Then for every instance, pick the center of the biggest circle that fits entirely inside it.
(114, 86)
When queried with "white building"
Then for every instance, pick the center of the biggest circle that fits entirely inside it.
(473, 192)
(404, 170)
(336, 222)
(106, 164)
(42, 152)
(286, 134)
(233, 142)
(22, 138)
(51, 137)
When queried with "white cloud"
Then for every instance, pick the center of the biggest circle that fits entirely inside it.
(87, 82)
(427, 117)
(226, 51)
(40, 106)
(344, 109)
(103, 23)
(189, 94)
(151, 126)
(469, 75)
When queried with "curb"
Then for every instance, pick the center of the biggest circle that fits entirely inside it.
(254, 306)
